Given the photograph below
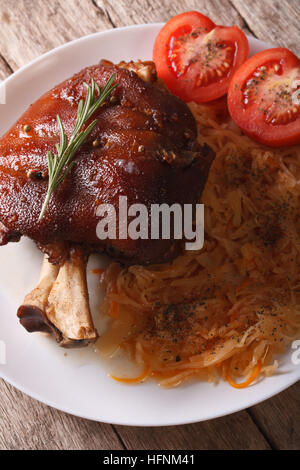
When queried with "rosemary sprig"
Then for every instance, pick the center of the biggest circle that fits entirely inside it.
(60, 165)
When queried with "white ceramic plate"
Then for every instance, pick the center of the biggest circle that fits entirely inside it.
(77, 382)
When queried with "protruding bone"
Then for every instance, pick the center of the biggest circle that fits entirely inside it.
(32, 312)
(68, 303)
(59, 304)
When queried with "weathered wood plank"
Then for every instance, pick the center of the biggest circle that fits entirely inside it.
(28, 424)
(5, 70)
(274, 21)
(221, 434)
(28, 29)
(279, 419)
(126, 12)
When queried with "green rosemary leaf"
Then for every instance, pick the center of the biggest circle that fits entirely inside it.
(60, 165)
(50, 161)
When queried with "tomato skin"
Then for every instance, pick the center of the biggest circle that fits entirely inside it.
(185, 86)
(251, 119)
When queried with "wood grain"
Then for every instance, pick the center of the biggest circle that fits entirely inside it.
(222, 434)
(30, 28)
(28, 424)
(274, 21)
(126, 12)
(5, 70)
(279, 419)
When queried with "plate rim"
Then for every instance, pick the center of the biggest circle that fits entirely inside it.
(148, 424)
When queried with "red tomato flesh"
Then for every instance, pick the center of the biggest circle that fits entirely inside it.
(264, 97)
(197, 59)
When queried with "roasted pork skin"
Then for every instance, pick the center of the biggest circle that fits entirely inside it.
(143, 147)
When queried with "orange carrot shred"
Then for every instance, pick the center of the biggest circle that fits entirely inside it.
(133, 380)
(247, 382)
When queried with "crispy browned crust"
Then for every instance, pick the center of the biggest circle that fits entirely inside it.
(145, 149)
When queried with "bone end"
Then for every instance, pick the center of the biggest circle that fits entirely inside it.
(59, 305)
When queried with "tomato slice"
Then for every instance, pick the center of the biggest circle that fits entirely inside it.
(196, 59)
(264, 97)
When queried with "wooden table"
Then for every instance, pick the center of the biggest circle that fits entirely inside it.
(29, 28)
